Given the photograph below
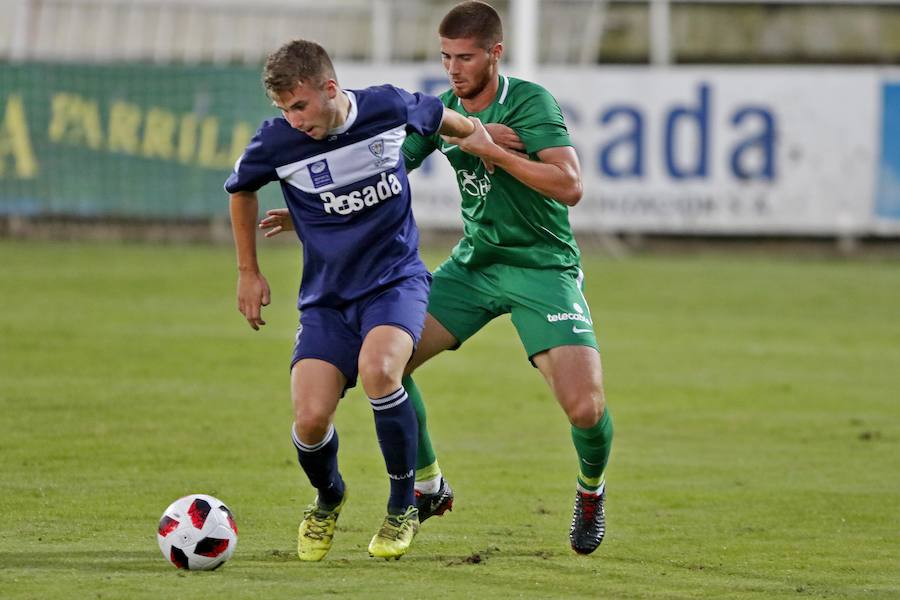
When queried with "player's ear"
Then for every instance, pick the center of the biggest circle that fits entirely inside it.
(496, 52)
(331, 88)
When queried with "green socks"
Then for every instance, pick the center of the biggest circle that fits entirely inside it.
(593, 445)
(426, 462)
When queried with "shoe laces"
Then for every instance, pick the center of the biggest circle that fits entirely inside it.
(317, 523)
(394, 525)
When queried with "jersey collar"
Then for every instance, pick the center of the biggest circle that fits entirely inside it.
(500, 98)
(351, 116)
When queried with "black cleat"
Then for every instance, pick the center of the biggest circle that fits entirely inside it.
(434, 505)
(588, 522)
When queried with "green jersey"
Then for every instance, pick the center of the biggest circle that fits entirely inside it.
(505, 221)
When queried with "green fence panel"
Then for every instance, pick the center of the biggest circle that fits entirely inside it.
(125, 140)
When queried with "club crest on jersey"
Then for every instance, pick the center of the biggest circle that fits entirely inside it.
(472, 184)
(320, 173)
(377, 150)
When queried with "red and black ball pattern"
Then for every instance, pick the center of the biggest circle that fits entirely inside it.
(197, 532)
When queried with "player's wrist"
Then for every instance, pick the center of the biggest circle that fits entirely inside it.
(496, 154)
(470, 127)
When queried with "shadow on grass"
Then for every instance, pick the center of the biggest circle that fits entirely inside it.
(86, 560)
(107, 562)
(481, 557)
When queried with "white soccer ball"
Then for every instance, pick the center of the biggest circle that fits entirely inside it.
(197, 532)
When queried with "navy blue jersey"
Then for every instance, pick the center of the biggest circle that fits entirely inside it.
(348, 194)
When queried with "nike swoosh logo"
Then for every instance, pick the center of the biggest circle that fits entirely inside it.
(576, 330)
(445, 148)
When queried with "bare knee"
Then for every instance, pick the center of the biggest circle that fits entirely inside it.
(311, 423)
(584, 409)
(378, 375)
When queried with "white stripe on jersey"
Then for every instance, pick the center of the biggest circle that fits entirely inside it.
(503, 92)
(505, 89)
(348, 164)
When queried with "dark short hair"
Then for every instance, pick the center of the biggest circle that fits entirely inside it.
(475, 20)
(297, 61)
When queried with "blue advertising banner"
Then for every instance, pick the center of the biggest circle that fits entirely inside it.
(887, 199)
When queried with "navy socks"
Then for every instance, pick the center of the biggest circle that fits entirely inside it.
(397, 429)
(319, 462)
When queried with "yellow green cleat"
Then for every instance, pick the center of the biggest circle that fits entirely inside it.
(396, 534)
(317, 530)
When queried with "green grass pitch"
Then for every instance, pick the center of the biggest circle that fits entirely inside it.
(756, 404)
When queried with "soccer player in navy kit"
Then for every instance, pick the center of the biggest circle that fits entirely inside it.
(364, 291)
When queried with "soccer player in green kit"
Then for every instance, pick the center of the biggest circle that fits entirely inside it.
(517, 255)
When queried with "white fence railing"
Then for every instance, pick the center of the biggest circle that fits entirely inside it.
(242, 31)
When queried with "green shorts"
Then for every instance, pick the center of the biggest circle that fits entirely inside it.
(547, 306)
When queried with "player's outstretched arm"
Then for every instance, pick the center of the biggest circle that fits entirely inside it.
(276, 221)
(252, 288)
(556, 175)
(455, 125)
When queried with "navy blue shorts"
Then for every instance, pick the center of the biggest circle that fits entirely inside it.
(336, 335)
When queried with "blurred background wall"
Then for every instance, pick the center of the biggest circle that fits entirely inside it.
(723, 118)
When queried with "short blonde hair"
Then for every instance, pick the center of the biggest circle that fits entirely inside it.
(298, 61)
